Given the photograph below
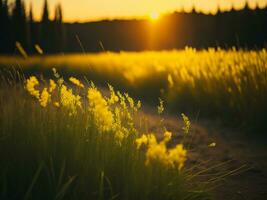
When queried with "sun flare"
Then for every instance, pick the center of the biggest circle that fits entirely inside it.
(154, 16)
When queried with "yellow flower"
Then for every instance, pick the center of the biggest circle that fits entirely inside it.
(167, 136)
(100, 111)
(160, 107)
(56, 104)
(177, 156)
(69, 100)
(113, 97)
(186, 123)
(142, 140)
(157, 153)
(52, 85)
(31, 83)
(120, 133)
(44, 98)
(130, 101)
(76, 82)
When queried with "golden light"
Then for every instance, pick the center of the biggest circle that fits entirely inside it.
(154, 16)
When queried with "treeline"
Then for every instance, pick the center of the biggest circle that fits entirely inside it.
(244, 28)
(19, 26)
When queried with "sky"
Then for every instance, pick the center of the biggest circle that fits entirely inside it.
(92, 10)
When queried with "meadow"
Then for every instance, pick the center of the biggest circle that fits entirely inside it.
(69, 128)
(226, 85)
(64, 139)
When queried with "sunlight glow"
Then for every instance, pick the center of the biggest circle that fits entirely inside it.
(154, 16)
(84, 10)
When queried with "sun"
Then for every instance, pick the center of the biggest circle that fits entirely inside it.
(154, 16)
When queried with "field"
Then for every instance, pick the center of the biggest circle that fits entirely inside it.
(226, 85)
(70, 129)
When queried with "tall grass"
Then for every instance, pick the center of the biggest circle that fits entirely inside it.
(225, 84)
(62, 142)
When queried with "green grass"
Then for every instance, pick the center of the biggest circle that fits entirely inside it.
(229, 85)
(46, 153)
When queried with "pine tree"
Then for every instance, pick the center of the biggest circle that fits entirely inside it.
(1, 13)
(59, 29)
(5, 13)
(19, 23)
(46, 39)
(45, 17)
(31, 28)
(1, 9)
(5, 33)
(1, 24)
(31, 15)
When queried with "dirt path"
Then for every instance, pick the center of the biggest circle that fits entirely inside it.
(232, 151)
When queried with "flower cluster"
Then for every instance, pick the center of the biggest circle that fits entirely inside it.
(69, 100)
(52, 85)
(66, 97)
(31, 83)
(113, 114)
(158, 152)
(44, 98)
(98, 106)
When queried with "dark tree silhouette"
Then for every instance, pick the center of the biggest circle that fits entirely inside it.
(33, 31)
(59, 29)
(45, 16)
(5, 32)
(31, 27)
(46, 39)
(244, 28)
(19, 24)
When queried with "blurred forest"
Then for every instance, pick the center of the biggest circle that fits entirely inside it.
(244, 28)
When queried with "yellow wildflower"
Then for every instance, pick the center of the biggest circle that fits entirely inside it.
(113, 97)
(142, 140)
(167, 136)
(177, 156)
(120, 133)
(186, 123)
(44, 98)
(52, 85)
(31, 83)
(157, 153)
(56, 104)
(160, 107)
(99, 108)
(76, 82)
(130, 101)
(152, 140)
(122, 101)
(69, 100)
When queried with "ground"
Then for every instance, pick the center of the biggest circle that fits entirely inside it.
(244, 157)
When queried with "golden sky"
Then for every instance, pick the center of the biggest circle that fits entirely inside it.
(90, 10)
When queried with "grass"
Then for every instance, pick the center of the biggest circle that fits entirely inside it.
(70, 142)
(226, 84)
